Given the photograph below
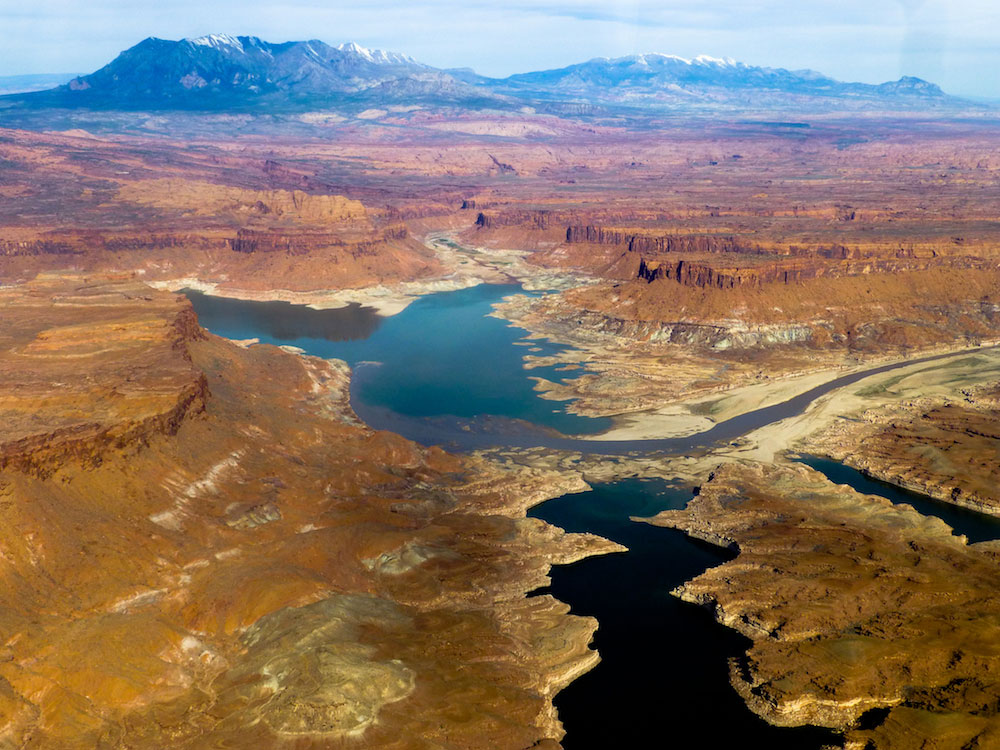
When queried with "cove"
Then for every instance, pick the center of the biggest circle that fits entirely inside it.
(978, 527)
(663, 680)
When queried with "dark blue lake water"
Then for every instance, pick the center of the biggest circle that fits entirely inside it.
(978, 527)
(663, 679)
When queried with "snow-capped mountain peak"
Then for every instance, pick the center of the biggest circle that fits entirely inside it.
(726, 62)
(217, 41)
(217, 71)
(375, 56)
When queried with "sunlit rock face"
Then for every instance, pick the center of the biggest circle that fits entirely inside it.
(852, 604)
(202, 547)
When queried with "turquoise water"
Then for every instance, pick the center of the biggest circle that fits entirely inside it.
(444, 372)
(442, 356)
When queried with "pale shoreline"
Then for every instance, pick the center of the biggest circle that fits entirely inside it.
(384, 300)
(940, 380)
(466, 268)
(679, 420)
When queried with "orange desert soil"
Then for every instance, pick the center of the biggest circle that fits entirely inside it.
(202, 547)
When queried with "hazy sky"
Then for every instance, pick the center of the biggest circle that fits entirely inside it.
(955, 43)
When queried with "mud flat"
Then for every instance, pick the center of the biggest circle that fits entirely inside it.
(698, 415)
(839, 413)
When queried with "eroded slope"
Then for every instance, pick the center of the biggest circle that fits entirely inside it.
(948, 448)
(204, 549)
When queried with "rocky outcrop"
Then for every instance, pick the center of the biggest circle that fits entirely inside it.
(88, 242)
(596, 235)
(42, 430)
(700, 274)
(301, 243)
(650, 243)
(705, 275)
(864, 616)
(37, 247)
(207, 199)
(502, 167)
(695, 244)
(525, 219)
(87, 443)
(250, 241)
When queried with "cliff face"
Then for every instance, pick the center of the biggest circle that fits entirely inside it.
(82, 244)
(700, 274)
(203, 548)
(648, 243)
(254, 241)
(209, 199)
(121, 328)
(12, 248)
(745, 309)
(96, 206)
(658, 244)
(528, 219)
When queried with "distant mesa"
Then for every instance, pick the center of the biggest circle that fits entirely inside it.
(223, 72)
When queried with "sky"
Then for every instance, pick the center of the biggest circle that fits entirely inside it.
(954, 43)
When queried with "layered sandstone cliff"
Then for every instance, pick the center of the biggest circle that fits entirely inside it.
(97, 206)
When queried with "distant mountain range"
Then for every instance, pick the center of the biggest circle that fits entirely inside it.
(222, 72)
